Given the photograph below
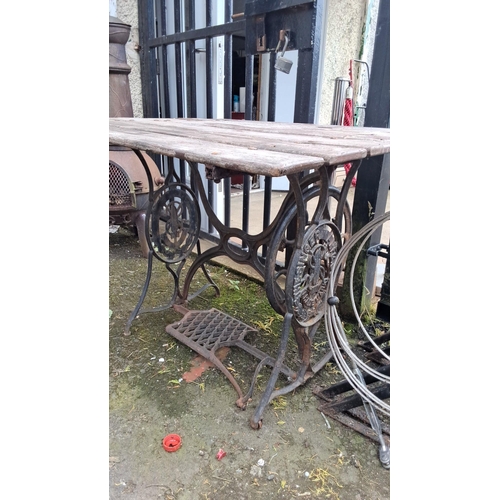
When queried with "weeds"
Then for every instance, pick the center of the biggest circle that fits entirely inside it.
(279, 404)
(323, 477)
(234, 284)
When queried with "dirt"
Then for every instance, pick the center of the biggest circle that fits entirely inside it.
(298, 453)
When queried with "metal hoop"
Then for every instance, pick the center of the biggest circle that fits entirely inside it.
(173, 219)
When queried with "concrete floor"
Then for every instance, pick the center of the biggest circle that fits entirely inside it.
(298, 452)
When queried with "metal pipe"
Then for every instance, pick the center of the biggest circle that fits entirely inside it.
(339, 91)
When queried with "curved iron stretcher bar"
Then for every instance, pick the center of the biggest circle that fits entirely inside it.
(344, 191)
(253, 242)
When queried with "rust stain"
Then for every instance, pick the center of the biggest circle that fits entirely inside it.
(201, 364)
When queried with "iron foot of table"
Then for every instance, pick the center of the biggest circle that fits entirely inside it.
(242, 402)
(176, 296)
(256, 419)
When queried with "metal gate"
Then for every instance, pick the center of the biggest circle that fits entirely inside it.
(196, 55)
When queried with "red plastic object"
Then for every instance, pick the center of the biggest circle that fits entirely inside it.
(220, 455)
(172, 442)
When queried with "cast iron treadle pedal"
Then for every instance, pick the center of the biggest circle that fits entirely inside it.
(207, 331)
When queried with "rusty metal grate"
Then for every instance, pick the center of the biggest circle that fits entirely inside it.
(209, 330)
(121, 190)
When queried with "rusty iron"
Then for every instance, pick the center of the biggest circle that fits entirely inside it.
(174, 218)
(120, 99)
(344, 404)
(207, 331)
(174, 221)
(275, 276)
(312, 264)
(129, 183)
(216, 174)
(356, 419)
(373, 355)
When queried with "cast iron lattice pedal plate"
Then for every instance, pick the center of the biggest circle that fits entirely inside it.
(207, 331)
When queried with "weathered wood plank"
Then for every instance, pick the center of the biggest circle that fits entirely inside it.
(302, 127)
(333, 131)
(241, 159)
(327, 149)
(371, 134)
(264, 148)
(186, 128)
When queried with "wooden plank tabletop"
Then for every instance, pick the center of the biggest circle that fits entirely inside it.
(254, 147)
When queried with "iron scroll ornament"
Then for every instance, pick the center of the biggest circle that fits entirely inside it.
(309, 272)
(174, 221)
(280, 242)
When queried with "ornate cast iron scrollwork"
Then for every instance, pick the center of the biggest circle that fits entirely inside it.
(174, 222)
(309, 273)
(279, 242)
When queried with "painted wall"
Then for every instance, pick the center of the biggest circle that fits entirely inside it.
(345, 38)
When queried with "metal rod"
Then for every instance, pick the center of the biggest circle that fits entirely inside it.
(224, 29)
(228, 62)
(268, 183)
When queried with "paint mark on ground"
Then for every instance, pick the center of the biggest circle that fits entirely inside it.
(201, 365)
